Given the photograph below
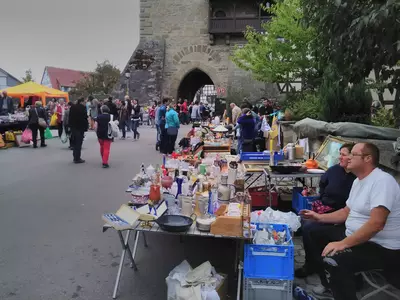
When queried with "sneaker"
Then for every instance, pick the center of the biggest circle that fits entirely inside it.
(322, 292)
(303, 272)
(35, 146)
(80, 161)
(43, 145)
(121, 138)
(105, 166)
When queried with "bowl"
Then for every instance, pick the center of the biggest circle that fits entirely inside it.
(140, 196)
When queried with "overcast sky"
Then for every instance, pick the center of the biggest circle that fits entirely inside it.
(72, 34)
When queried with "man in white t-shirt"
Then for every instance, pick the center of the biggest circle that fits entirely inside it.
(370, 239)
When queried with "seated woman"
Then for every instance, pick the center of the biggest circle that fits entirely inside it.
(335, 186)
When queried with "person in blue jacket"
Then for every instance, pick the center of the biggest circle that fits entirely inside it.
(172, 125)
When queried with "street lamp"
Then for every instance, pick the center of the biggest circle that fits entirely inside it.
(127, 76)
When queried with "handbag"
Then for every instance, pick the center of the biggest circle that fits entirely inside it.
(42, 122)
(172, 131)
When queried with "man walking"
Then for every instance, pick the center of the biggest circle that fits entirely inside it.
(162, 111)
(6, 104)
(78, 122)
(157, 122)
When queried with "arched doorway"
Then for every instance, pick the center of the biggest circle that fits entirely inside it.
(197, 84)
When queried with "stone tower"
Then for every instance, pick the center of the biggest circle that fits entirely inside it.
(186, 44)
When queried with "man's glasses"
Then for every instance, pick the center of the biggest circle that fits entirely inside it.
(358, 154)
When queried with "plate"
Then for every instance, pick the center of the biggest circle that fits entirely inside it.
(315, 171)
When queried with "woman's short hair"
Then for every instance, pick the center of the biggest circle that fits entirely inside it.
(104, 109)
(245, 110)
(348, 146)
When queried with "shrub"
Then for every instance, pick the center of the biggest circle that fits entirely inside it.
(303, 105)
(384, 118)
(344, 103)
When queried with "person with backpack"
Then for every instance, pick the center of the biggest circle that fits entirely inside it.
(103, 134)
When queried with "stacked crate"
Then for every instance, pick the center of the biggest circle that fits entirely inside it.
(269, 269)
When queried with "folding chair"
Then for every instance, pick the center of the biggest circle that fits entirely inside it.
(372, 278)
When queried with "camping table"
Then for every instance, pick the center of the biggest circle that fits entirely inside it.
(138, 228)
(278, 178)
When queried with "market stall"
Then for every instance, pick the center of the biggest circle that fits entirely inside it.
(17, 122)
(34, 89)
(203, 194)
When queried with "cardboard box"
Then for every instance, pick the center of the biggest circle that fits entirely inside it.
(230, 226)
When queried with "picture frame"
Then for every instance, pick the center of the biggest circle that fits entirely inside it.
(328, 153)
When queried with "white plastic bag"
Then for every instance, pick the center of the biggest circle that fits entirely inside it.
(276, 217)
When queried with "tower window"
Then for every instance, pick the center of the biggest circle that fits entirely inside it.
(220, 14)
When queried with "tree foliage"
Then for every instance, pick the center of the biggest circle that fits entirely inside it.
(341, 102)
(358, 37)
(283, 52)
(101, 81)
(28, 76)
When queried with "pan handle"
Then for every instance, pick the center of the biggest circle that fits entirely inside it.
(195, 217)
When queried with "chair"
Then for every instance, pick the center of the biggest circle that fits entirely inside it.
(372, 278)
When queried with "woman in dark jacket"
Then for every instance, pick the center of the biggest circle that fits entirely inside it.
(135, 119)
(247, 124)
(33, 122)
(102, 134)
(123, 118)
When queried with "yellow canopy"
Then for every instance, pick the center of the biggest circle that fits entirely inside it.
(34, 89)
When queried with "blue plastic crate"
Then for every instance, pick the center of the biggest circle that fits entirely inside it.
(270, 261)
(244, 156)
(300, 202)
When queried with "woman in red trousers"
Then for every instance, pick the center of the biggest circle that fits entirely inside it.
(102, 134)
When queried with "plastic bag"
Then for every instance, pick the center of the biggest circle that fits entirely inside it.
(10, 137)
(53, 120)
(26, 136)
(47, 134)
(276, 217)
(64, 137)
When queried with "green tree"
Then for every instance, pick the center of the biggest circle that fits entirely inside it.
(283, 52)
(28, 76)
(101, 81)
(358, 37)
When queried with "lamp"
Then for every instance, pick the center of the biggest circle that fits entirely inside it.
(127, 74)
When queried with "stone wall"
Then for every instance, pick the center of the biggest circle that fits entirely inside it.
(183, 25)
(146, 67)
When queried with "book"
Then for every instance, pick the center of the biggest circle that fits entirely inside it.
(127, 216)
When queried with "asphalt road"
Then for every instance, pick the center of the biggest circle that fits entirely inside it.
(51, 243)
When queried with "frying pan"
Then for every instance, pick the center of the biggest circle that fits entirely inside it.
(175, 223)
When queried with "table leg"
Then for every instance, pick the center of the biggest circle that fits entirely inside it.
(145, 241)
(121, 263)
(132, 255)
(239, 289)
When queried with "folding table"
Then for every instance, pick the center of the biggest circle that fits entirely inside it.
(138, 228)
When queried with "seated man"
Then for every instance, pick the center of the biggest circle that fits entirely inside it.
(370, 239)
(335, 187)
